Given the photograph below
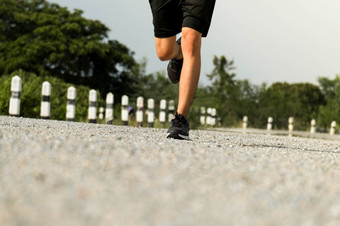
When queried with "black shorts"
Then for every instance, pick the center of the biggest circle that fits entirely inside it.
(169, 16)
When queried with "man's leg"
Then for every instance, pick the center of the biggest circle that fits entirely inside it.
(167, 48)
(191, 50)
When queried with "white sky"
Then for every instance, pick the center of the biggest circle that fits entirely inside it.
(269, 40)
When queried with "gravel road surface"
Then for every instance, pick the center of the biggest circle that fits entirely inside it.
(62, 173)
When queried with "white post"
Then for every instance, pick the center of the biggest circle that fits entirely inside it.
(71, 104)
(171, 109)
(101, 113)
(202, 118)
(333, 125)
(93, 106)
(245, 122)
(125, 110)
(209, 119)
(313, 126)
(109, 108)
(14, 102)
(151, 112)
(213, 116)
(45, 109)
(270, 124)
(139, 113)
(162, 112)
(290, 125)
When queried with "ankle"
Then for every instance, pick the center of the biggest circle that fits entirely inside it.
(182, 114)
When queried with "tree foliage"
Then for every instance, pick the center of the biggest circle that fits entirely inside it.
(283, 100)
(46, 39)
(330, 110)
(232, 98)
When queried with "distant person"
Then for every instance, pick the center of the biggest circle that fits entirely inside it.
(192, 18)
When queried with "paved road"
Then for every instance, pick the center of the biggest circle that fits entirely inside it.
(324, 136)
(62, 173)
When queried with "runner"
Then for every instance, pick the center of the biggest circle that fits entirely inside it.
(192, 18)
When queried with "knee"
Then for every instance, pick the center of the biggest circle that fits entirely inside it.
(164, 53)
(191, 41)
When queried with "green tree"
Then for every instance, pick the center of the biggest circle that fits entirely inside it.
(223, 88)
(330, 110)
(246, 101)
(283, 100)
(46, 39)
(232, 98)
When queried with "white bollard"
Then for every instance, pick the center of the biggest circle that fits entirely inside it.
(290, 125)
(139, 113)
(162, 112)
(45, 110)
(101, 113)
(270, 124)
(71, 104)
(332, 130)
(313, 126)
(213, 116)
(209, 119)
(92, 106)
(171, 109)
(14, 102)
(245, 122)
(109, 116)
(151, 112)
(202, 118)
(125, 110)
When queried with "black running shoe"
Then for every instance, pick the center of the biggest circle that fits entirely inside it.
(175, 67)
(179, 128)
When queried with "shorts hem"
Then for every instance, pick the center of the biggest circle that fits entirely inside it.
(196, 24)
(166, 34)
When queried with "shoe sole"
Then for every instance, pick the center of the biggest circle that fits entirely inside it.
(177, 79)
(177, 136)
(172, 80)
